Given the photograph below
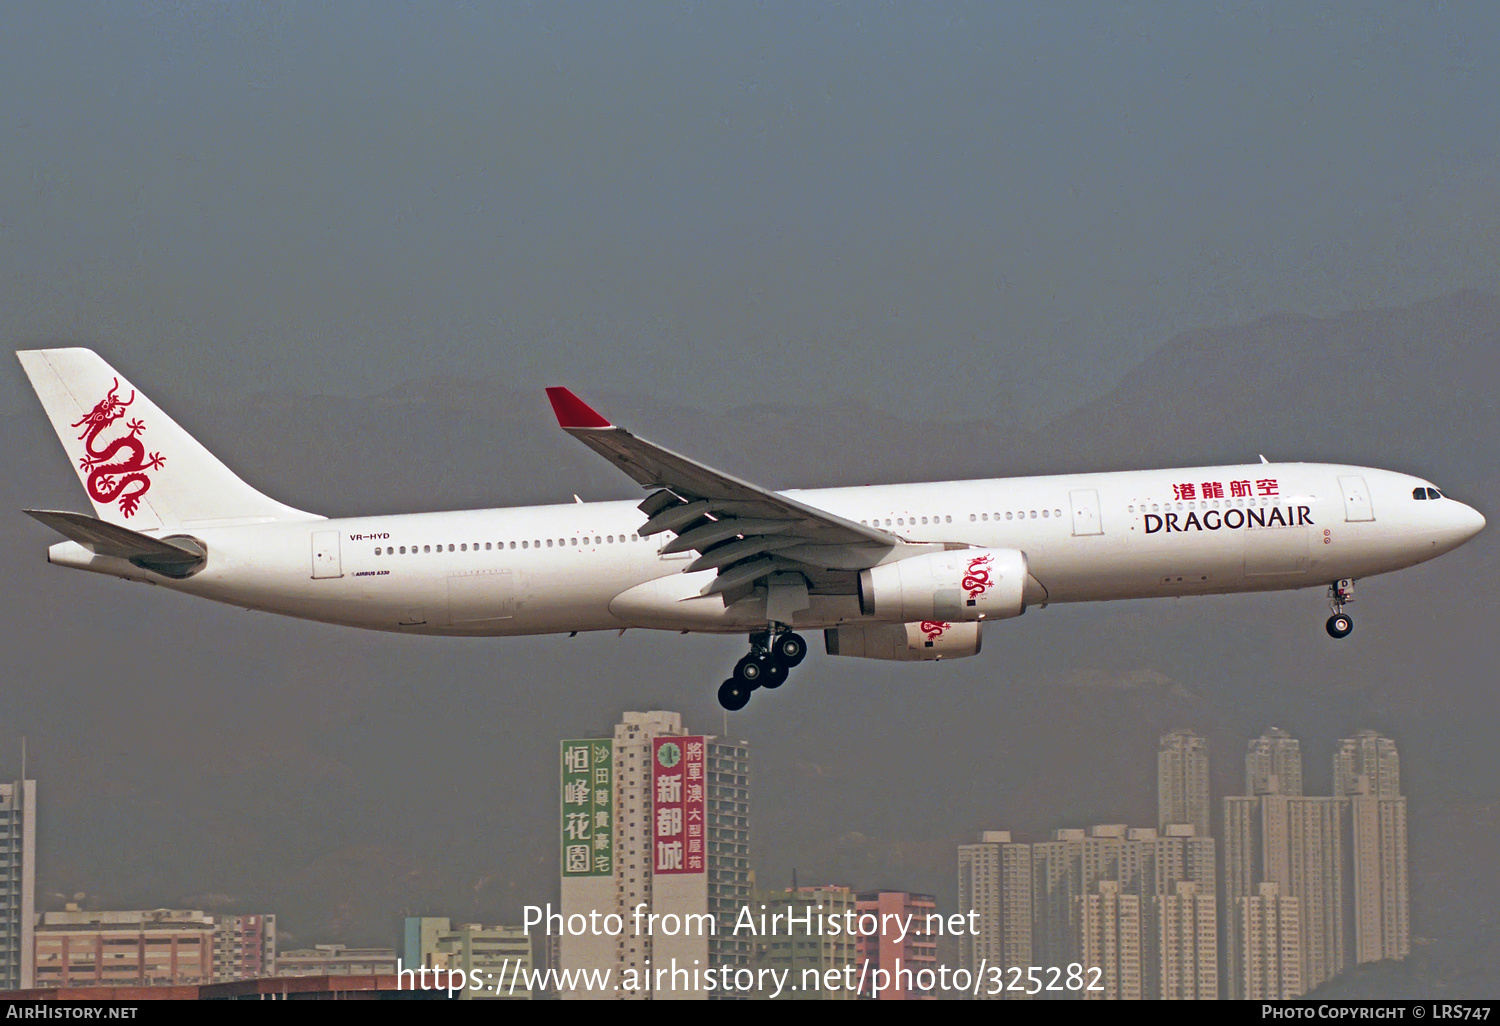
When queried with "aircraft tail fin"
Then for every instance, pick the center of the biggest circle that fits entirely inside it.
(136, 464)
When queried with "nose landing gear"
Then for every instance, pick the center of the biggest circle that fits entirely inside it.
(772, 655)
(1340, 594)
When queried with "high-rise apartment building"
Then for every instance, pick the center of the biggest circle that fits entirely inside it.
(1367, 764)
(1186, 943)
(1367, 770)
(1301, 844)
(1182, 781)
(1269, 946)
(17, 884)
(1057, 884)
(657, 821)
(1111, 940)
(995, 880)
(1273, 764)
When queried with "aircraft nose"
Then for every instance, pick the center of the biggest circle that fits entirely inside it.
(1471, 521)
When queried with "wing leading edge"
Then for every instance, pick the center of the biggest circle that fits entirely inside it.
(743, 531)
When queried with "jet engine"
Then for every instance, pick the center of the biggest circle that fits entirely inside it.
(928, 640)
(960, 585)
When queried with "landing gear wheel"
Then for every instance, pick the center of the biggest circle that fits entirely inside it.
(1339, 625)
(791, 649)
(775, 674)
(734, 695)
(752, 670)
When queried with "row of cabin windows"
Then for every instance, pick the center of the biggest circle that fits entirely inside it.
(973, 517)
(1157, 507)
(562, 543)
(901, 521)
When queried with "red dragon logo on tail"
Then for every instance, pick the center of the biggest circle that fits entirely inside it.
(977, 581)
(125, 478)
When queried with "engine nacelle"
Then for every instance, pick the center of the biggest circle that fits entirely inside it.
(965, 584)
(929, 640)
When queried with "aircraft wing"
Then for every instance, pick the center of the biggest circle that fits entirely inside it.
(740, 529)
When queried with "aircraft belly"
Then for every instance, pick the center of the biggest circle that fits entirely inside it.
(675, 602)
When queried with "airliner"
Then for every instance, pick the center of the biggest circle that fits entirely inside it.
(897, 572)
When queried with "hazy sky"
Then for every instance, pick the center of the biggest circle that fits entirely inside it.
(945, 210)
(727, 203)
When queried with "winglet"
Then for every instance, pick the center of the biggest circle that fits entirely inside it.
(573, 412)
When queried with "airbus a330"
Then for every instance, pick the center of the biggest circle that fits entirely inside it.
(902, 572)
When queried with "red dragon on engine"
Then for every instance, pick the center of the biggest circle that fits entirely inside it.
(977, 581)
(105, 481)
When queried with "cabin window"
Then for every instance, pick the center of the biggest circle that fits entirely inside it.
(426, 548)
(609, 539)
(549, 543)
(973, 517)
(948, 520)
(634, 537)
(523, 545)
(575, 541)
(1044, 514)
(1057, 512)
(462, 548)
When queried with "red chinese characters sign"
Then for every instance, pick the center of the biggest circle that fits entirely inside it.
(678, 807)
(1190, 490)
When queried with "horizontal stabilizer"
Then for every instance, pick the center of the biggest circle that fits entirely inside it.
(174, 557)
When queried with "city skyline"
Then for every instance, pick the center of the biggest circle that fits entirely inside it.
(1139, 905)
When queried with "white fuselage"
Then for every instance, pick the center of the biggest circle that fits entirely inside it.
(584, 566)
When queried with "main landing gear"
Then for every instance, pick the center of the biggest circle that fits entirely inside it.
(772, 654)
(1340, 594)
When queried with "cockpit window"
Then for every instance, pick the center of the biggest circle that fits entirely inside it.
(1433, 493)
(1419, 493)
